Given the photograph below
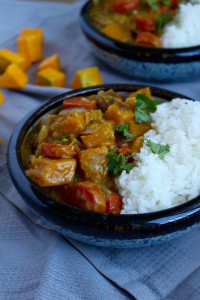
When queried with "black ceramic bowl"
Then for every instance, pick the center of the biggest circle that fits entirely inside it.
(97, 228)
(147, 63)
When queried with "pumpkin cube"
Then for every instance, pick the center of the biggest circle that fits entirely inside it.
(13, 77)
(52, 61)
(30, 44)
(7, 57)
(52, 172)
(51, 77)
(86, 77)
(2, 99)
(117, 32)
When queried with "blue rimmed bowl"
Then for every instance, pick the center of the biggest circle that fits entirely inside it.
(146, 63)
(131, 230)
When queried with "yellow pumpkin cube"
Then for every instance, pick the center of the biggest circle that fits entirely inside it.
(51, 77)
(1, 140)
(33, 31)
(52, 61)
(7, 57)
(117, 32)
(30, 44)
(13, 77)
(86, 77)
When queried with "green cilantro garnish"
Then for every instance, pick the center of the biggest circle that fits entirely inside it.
(165, 2)
(161, 21)
(63, 138)
(123, 129)
(144, 106)
(118, 163)
(153, 5)
(159, 149)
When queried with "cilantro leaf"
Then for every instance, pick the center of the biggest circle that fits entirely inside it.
(144, 106)
(118, 163)
(62, 138)
(159, 149)
(123, 129)
(165, 2)
(153, 5)
(161, 21)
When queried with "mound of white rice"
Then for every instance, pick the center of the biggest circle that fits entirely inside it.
(184, 31)
(156, 184)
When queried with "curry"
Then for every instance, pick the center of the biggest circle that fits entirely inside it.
(76, 153)
(138, 22)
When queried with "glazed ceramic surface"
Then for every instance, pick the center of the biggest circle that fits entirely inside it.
(97, 228)
(141, 62)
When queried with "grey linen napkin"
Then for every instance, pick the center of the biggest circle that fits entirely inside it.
(35, 261)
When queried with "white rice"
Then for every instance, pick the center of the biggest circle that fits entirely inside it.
(184, 31)
(155, 184)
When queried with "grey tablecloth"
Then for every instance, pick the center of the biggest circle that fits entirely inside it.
(35, 261)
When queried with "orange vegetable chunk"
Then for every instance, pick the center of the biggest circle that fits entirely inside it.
(89, 196)
(51, 77)
(8, 57)
(52, 61)
(86, 77)
(2, 99)
(103, 137)
(52, 172)
(93, 163)
(30, 44)
(117, 32)
(13, 77)
(119, 114)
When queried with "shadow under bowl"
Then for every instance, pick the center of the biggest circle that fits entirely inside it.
(122, 231)
(139, 62)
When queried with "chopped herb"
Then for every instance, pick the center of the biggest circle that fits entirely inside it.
(144, 106)
(161, 21)
(118, 163)
(63, 138)
(153, 5)
(159, 149)
(123, 129)
(165, 2)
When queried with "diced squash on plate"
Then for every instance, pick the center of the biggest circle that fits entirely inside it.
(2, 99)
(51, 77)
(30, 44)
(13, 77)
(52, 172)
(87, 77)
(7, 57)
(52, 61)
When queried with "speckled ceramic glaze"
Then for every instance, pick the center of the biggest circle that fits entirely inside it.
(97, 228)
(141, 62)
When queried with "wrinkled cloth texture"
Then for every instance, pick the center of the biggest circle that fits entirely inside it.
(36, 262)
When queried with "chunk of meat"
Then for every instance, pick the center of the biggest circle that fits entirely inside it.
(114, 203)
(89, 196)
(74, 122)
(120, 114)
(79, 102)
(103, 137)
(93, 163)
(58, 150)
(52, 172)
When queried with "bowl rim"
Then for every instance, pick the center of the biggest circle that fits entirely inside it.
(127, 49)
(31, 191)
